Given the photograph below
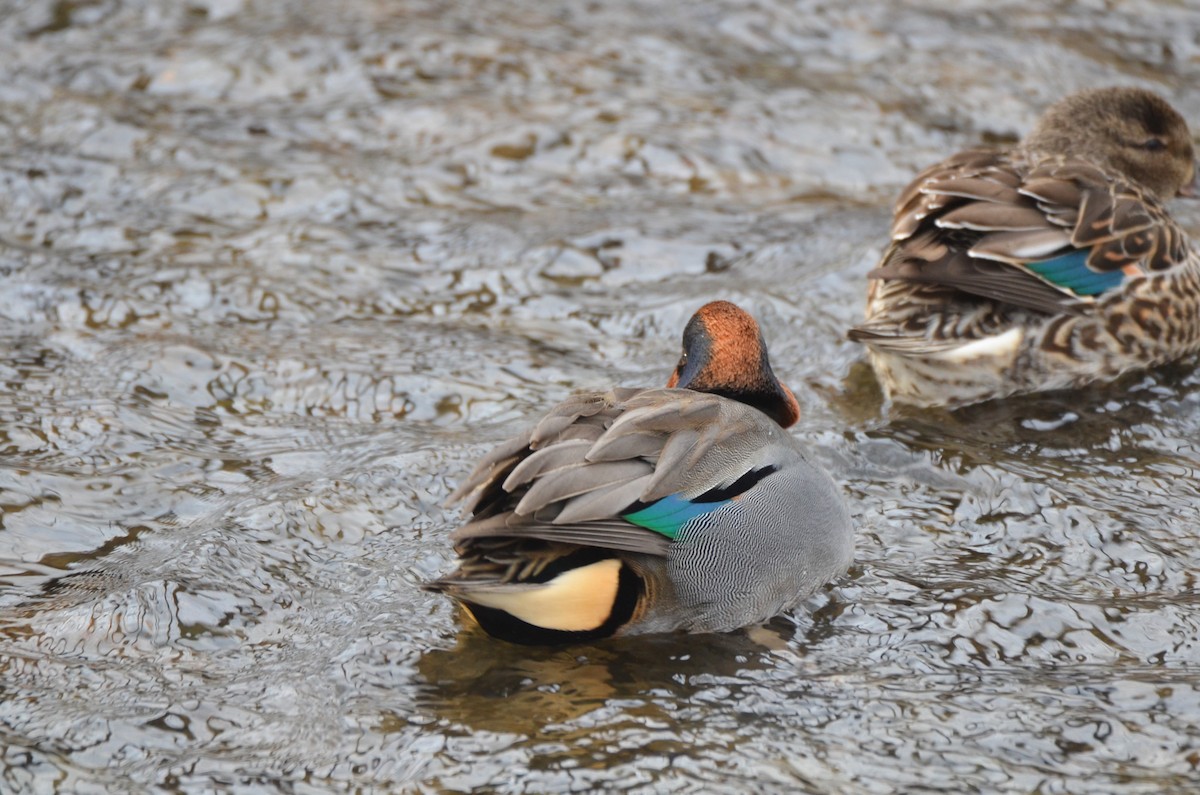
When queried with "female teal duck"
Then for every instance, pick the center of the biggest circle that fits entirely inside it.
(1042, 267)
(653, 510)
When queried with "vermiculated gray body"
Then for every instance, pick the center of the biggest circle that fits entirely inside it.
(758, 553)
(761, 555)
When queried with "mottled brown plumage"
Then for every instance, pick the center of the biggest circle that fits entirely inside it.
(1032, 268)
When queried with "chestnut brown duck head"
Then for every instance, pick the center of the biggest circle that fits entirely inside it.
(724, 354)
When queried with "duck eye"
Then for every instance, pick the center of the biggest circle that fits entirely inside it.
(1153, 145)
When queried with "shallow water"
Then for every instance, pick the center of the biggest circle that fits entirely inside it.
(276, 273)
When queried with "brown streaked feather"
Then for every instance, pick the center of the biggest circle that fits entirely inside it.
(910, 217)
(1171, 248)
(885, 337)
(916, 203)
(993, 185)
(1107, 214)
(986, 217)
(1050, 191)
(985, 278)
(1115, 254)
(1019, 247)
(1092, 181)
(995, 206)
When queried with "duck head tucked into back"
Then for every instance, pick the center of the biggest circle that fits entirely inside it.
(1131, 131)
(724, 354)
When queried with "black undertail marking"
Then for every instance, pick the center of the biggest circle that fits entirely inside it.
(505, 626)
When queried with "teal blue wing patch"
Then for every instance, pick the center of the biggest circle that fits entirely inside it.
(1072, 272)
(668, 516)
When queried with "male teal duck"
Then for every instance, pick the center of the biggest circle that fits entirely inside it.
(1046, 266)
(653, 510)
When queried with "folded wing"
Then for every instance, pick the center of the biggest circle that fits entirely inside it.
(599, 457)
(1051, 237)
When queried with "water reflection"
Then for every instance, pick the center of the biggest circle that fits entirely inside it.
(496, 687)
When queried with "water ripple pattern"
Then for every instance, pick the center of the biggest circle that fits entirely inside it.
(275, 274)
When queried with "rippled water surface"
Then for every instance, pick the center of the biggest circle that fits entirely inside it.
(274, 274)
